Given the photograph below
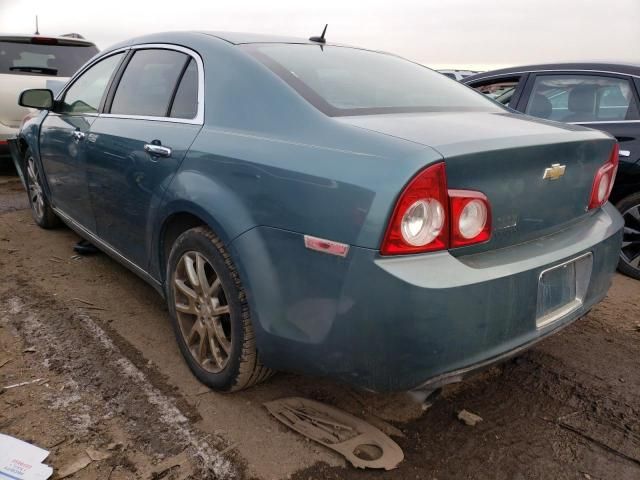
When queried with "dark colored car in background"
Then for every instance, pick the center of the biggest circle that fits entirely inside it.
(596, 95)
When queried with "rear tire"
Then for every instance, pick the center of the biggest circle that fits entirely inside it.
(210, 314)
(629, 262)
(41, 210)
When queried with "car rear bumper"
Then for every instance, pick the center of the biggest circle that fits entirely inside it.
(460, 374)
(399, 323)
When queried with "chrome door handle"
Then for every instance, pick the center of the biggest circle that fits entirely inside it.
(624, 153)
(77, 135)
(157, 150)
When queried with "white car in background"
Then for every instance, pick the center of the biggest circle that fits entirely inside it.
(34, 61)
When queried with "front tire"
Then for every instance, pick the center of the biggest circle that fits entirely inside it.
(210, 314)
(629, 262)
(41, 210)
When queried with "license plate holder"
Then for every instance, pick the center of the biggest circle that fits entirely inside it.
(562, 289)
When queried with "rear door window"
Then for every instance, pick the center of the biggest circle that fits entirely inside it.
(185, 102)
(22, 57)
(148, 83)
(85, 95)
(582, 98)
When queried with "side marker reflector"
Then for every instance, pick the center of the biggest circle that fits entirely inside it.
(326, 246)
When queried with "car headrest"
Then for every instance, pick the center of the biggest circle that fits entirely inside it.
(582, 99)
(540, 106)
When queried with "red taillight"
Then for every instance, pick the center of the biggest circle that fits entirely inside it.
(428, 217)
(419, 221)
(603, 181)
(471, 218)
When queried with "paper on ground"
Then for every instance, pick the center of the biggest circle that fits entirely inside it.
(22, 461)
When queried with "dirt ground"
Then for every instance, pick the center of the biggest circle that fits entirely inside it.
(109, 391)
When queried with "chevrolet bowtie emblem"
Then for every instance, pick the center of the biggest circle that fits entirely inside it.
(554, 172)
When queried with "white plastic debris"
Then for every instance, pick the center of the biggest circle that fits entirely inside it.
(469, 418)
(21, 460)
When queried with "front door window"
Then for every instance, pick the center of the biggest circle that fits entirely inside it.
(86, 93)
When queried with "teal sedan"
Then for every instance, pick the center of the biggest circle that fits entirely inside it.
(329, 210)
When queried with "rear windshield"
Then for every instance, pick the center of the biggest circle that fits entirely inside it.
(35, 59)
(348, 81)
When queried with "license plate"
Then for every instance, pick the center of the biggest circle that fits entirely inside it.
(562, 289)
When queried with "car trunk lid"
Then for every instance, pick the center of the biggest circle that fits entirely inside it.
(505, 156)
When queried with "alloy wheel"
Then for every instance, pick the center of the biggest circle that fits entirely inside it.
(630, 253)
(35, 189)
(202, 311)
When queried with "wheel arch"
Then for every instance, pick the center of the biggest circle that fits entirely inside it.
(179, 219)
(627, 181)
(22, 146)
(174, 226)
(193, 199)
(621, 191)
(28, 138)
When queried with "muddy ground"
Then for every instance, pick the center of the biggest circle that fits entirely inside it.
(110, 393)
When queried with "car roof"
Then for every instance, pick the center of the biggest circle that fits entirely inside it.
(238, 38)
(622, 68)
(231, 38)
(61, 40)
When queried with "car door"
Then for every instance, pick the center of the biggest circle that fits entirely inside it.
(152, 115)
(62, 135)
(604, 101)
(504, 89)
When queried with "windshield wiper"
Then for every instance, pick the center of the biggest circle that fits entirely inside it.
(43, 70)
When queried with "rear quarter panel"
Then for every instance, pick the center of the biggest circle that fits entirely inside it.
(241, 180)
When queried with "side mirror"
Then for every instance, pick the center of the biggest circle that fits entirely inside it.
(40, 98)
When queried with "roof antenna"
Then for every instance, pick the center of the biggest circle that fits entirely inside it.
(37, 29)
(320, 39)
